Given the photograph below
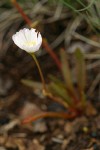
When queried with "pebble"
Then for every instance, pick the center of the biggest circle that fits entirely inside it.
(2, 148)
(85, 129)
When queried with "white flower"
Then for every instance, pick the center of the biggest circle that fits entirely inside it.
(28, 40)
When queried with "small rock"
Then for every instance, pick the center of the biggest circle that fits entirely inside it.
(29, 109)
(97, 120)
(2, 140)
(85, 129)
(37, 145)
(2, 148)
(83, 47)
(90, 110)
(5, 85)
(39, 126)
(68, 127)
(79, 123)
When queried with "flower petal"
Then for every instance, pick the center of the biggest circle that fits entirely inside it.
(33, 35)
(39, 39)
(28, 40)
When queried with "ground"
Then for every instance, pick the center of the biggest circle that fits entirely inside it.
(18, 100)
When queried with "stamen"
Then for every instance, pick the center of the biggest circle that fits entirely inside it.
(30, 43)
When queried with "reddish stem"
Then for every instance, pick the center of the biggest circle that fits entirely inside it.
(45, 43)
(20, 10)
(73, 95)
(49, 115)
(51, 52)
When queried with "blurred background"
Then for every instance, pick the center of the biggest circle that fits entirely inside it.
(61, 22)
(64, 24)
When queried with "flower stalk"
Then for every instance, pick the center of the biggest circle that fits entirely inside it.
(40, 71)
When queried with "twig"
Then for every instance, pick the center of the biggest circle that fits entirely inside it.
(71, 29)
(93, 65)
(91, 42)
(92, 56)
(58, 40)
(94, 84)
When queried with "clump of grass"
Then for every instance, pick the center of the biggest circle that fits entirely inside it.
(89, 9)
(71, 96)
(65, 93)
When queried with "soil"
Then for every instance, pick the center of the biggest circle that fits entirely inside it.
(18, 101)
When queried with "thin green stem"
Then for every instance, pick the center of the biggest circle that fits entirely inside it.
(40, 72)
(45, 90)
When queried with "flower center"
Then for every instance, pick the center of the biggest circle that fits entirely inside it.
(30, 43)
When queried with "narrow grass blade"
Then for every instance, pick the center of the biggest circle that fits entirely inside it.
(32, 84)
(81, 74)
(57, 81)
(80, 66)
(67, 74)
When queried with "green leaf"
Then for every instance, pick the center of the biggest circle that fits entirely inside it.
(80, 68)
(32, 84)
(81, 74)
(66, 73)
(57, 81)
(60, 91)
